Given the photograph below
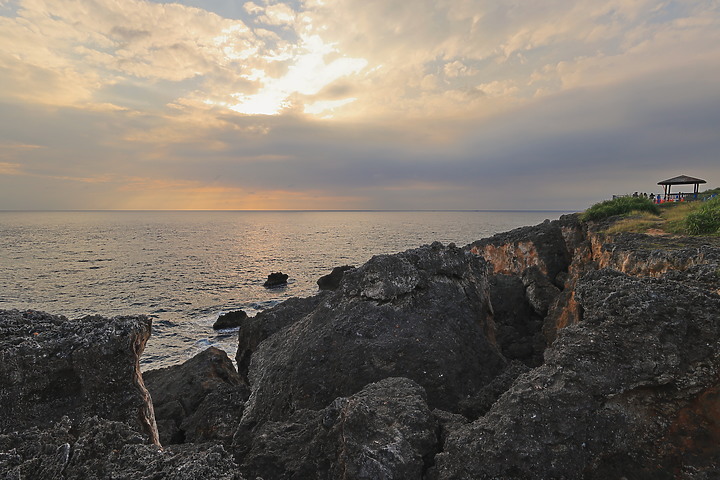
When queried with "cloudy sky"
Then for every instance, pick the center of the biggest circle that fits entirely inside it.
(354, 104)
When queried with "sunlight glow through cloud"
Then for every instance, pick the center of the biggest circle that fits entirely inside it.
(307, 75)
(322, 106)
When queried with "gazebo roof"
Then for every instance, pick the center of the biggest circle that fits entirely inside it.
(682, 180)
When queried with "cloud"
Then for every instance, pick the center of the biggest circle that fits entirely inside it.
(10, 168)
(427, 104)
(278, 14)
(61, 52)
(456, 69)
(541, 48)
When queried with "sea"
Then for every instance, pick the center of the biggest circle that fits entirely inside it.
(185, 268)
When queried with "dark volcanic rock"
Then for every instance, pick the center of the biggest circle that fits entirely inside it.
(422, 314)
(705, 276)
(276, 279)
(209, 380)
(541, 293)
(51, 367)
(256, 329)
(478, 405)
(230, 319)
(631, 391)
(384, 431)
(518, 328)
(217, 416)
(645, 255)
(332, 280)
(99, 449)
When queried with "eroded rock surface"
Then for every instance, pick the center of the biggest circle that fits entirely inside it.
(618, 395)
(200, 400)
(99, 449)
(385, 431)
(52, 367)
(256, 329)
(422, 314)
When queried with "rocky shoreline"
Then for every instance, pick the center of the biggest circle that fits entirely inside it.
(549, 352)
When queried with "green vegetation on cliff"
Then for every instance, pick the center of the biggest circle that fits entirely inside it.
(619, 206)
(642, 216)
(705, 219)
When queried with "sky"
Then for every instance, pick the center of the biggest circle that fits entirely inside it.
(354, 104)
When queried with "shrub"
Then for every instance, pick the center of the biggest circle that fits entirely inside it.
(705, 219)
(620, 206)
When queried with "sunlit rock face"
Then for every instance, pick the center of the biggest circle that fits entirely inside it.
(618, 395)
(543, 246)
(560, 252)
(422, 314)
(51, 367)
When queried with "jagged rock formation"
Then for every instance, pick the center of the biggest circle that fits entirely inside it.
(558, 253)
(256, 329)
(385, 430)
(98, 449)
(423, 314)
(200, 400)
(75, 406)
(52, 367)
(631, 391)
(553, 351)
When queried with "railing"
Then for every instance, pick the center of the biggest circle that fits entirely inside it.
(671, 198)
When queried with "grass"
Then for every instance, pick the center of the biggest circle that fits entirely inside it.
(683, 218)
(674, 215)
(639, 222)
(705, 219)
(619, 206)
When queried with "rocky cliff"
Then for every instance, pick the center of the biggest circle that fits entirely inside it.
(553, 351)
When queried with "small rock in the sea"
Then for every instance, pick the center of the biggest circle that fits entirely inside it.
(276, 279)
(230, 319)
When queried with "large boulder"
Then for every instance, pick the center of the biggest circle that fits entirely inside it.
(384, 431)
(631, 391)
(198, 400)
(422, 314)
(52, 367)
(256, 329)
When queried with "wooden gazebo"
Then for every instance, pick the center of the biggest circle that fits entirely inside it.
(681, 180)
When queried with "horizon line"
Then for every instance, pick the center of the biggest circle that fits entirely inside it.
(284, 211)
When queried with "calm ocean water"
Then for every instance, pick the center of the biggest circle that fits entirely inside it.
(184, 268)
